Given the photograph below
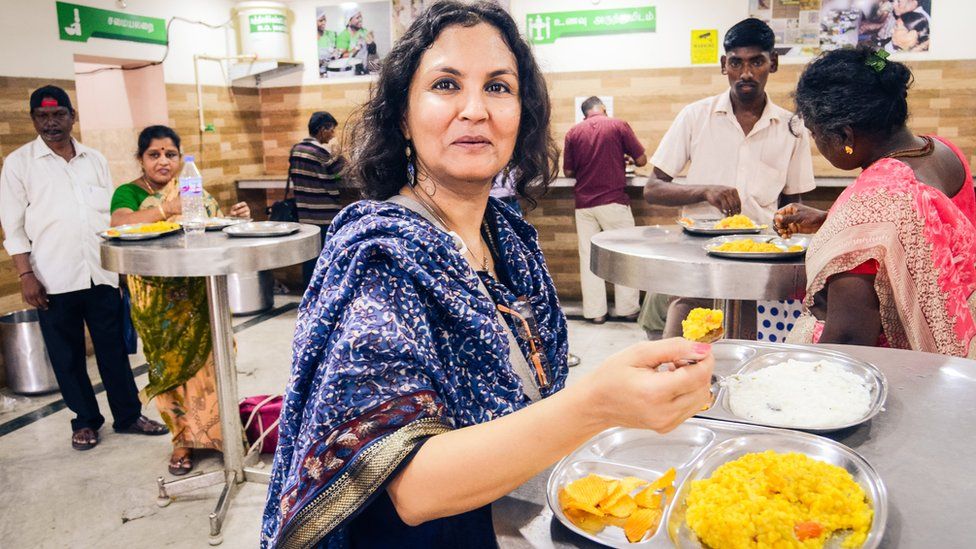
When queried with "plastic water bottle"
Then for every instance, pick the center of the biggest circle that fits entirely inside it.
(194, 217)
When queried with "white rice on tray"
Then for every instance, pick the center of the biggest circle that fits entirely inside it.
(800, 394)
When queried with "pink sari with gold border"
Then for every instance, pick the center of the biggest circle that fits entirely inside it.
(925, 247)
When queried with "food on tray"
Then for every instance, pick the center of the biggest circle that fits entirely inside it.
(687, 221)
(778, 500)
(143, 228)
(795, 248)
(595, 502)
(747, 245)
(800, 394)
(703, 325)
(737, 221)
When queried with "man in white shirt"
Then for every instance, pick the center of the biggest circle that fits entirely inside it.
(742, 152)
(54, 197)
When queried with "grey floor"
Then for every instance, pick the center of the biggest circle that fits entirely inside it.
(54, 497)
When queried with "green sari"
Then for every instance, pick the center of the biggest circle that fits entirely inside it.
(172, 317)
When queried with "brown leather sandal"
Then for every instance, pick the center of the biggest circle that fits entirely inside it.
(182, 465)
(83, 439)
(145, 426)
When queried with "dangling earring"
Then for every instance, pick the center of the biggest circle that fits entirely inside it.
(848, 149)
(411, 169)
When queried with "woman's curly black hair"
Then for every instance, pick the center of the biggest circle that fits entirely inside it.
(378, 163)
(840, 89)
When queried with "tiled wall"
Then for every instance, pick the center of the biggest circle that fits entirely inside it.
(942, 101)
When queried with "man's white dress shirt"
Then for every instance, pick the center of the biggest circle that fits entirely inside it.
(53, 209)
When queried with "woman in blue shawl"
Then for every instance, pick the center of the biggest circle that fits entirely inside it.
(430, 351)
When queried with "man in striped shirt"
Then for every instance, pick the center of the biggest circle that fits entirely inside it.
(315, 173)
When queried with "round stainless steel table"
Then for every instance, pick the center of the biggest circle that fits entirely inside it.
(666, 260)
(214, 255)
(920, 445)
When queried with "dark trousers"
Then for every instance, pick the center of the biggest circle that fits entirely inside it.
(308, 268)
(62, 326)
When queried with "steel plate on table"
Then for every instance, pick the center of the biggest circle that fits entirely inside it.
(257, 229)
(734, 357)
(695, 449)
(219, 223)
(781, 243)
(120, 232)
(706, 227)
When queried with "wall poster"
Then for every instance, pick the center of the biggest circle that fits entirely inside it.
(352, 38)
(805, 27)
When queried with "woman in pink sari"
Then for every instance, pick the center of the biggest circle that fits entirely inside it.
(893, 262)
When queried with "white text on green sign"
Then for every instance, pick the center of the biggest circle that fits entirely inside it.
(267, 22)
(79, 23)
(545, 28)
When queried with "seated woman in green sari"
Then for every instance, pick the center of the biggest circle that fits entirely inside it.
(170, 313)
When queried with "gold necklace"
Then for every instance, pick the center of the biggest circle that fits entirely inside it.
(148, 185)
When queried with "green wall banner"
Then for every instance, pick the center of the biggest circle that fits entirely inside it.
(79, 23)
(545, 28)
(267, 22)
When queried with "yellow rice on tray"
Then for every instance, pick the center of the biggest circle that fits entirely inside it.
(737, 221)
(778, 501)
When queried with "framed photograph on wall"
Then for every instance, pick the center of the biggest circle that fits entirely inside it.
(352, 38)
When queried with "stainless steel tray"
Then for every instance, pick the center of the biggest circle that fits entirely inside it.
(706, 227)
(782, 243)
(219, 223)
(133, 236)
(735, 357)
(695, 449)
(257, 229)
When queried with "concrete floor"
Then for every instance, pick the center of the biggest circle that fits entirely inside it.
(52, 496)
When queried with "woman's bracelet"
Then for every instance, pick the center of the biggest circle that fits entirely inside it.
(25, 273)
(162, 212)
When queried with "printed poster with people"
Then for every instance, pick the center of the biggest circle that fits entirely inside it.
(352, 38)
(806, 27)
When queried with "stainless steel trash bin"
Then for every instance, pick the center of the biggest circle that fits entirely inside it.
(25, 359)
(250, 293)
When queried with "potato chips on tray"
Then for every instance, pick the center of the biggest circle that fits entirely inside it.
(595, 502)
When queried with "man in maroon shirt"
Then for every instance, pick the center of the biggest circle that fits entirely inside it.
(596, 152)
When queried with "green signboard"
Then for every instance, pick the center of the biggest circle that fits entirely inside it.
(545, 28)
(79, 23)
(267, 22)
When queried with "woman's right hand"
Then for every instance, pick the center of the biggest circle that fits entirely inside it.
(798, 219)
(628, 391)
(172, 206)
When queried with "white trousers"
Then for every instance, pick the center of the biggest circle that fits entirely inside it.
(591, 221)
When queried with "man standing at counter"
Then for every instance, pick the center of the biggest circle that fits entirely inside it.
(54, 197)
(314, 174)
(595, 153)
(740, 148)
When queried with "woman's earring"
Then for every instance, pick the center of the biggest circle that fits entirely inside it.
(848, 149)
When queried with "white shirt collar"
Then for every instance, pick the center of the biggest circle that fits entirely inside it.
(41, 149)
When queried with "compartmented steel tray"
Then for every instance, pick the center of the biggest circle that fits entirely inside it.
(258, 229)
(695, 449)
(782, 243)
(739, 357)
(706, 227)
(119, 233)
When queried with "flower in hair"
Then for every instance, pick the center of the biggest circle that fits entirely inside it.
(877, 60)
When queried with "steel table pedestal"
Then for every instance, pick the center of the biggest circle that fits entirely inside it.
(214, 255)
(665, 260)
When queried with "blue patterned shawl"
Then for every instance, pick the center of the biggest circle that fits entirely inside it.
(396, 343)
